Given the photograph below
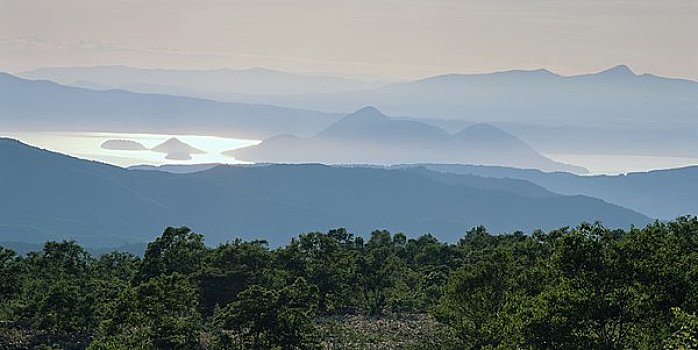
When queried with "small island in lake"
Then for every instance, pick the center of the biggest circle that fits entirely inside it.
(177, 150)
(123, 145)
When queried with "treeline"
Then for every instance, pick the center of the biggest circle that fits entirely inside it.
(584, 288)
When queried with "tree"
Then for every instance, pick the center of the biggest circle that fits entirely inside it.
(378, 270)
(475, 295)
(10, 280)
(686, 335)
(161, 313)
(326, 261)
(232, 267)
(59, 290)
(262, 318)
(177, 250)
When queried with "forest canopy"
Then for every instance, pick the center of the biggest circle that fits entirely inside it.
(587, 287)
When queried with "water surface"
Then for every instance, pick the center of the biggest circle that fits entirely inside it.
(87, 145)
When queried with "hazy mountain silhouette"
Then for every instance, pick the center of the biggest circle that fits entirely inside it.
(664, 194)
(369, 137)
(36, 105)
(46, 195)
(654, 139)
(623, 112)
(616, 95)
(219, 84)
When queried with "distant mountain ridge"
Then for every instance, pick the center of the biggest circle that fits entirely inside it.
(367, 136)
(222, 84)
(615, 95)
(664, 194)
(45, 195)
(625, 113)
(39, 105)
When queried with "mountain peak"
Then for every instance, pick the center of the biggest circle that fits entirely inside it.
(367, 110)
(368, 113)
(483, 127)
(620, 70)
(363, 117)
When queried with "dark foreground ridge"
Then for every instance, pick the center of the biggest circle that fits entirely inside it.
(50, 196)
(589, 287)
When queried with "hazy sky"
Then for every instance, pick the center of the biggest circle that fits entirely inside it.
(394, 38)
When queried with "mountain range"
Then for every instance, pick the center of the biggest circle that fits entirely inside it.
(611, 97)
(623, 112)
(220, 84)
(664, 194)
(367, 136)
(46, 195)
(41, 105)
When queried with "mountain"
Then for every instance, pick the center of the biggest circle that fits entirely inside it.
(367, 136)
(664, 194)
(45, 195)
(639, 139)
(217, 84)
(625, 113)
(38, 105)
(613, 96)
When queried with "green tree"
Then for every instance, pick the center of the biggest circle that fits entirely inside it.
(378, 270)
(10, 281)
(261, 318)
(177, 250)
(686, 335)
(161, 313)
(232, 267)
(59, 289)
(327, 261)
(475, 295)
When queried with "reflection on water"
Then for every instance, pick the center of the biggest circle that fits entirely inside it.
(87, 145)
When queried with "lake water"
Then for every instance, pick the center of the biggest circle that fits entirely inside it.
(87, 145)
(612, 164)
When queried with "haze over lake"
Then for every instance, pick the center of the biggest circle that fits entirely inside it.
(612, 164)
(87, 145)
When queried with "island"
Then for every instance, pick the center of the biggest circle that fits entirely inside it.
(177, 150)
(123, 145)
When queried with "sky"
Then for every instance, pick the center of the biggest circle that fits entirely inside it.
(403, 39)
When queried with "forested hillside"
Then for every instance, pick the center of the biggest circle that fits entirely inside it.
(663, 194)
(50, 196)
(587, 287)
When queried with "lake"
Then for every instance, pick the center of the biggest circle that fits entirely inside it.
(87, 145)
(612, 164)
